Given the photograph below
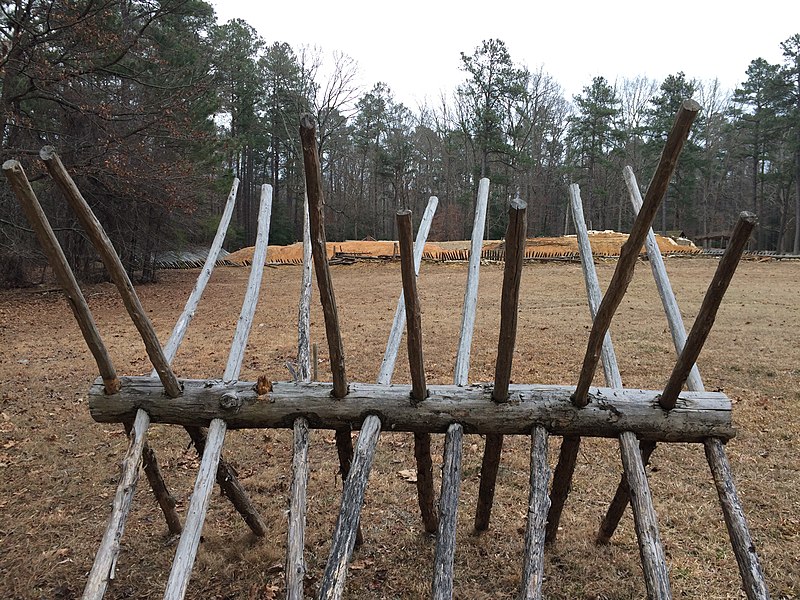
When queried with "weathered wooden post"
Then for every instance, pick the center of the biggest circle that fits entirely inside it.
(509, 307)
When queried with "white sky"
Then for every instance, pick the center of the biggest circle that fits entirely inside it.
(414, 46)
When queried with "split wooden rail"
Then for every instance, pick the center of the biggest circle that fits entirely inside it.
(637, 418)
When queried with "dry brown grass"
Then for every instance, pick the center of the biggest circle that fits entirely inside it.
(58, 469)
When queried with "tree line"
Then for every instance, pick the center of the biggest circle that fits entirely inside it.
(155, 107)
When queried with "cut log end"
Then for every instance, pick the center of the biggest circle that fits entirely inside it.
(307, 121)
(11, 165)
(691, 105)
(47, 153)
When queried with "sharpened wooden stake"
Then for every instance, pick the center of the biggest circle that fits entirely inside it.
(195, 517)
(396, 333)
(629, 253)
(94, 230)
(570, 446)
(708, 309)
(538, 505)
(344, 535)
(416, 361)
(509, 308)
(304, 309)
(198, 507)
(654, 566)
(471, 291)
(442, 585)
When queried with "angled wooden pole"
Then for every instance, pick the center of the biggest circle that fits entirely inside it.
(509, 308)
(416, 361)
(651, 551)
(313, 172)
(105, 559)
(344, 536)
(752, 575)
(471, 291)
(444, 556)
(308, 136)
(190, 539)
(94, 230)
(396, 332)
(708, 309)
(629, 253)
(663, 285)
(622, 496)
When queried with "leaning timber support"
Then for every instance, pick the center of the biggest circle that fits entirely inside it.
(570, 446)
(538, 505)
(755, 586)
(708, 309)
(416, 361)
(654, 565)
(509, 308)
(344, 535)
(629, 253)
(471, 291)
(313, 172)
(750, 569)
(94, 230)
(105, 559)
(622, 496)
(198, 507)
(442, 585)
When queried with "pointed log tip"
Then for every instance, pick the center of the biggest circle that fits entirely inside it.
(11, 165)
(307, 121)
(691, 105)
(47, 153)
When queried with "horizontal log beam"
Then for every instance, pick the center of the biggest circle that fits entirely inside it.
(697, 415)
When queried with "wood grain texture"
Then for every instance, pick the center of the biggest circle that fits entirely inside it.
(538, 506)
(696, 416)
(196, 514)
(753, 580)
(444, 556)
(106, 558)
(344, 535)
(295, 544)
(416, 357)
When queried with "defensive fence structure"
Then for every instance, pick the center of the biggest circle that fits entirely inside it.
(208, 408)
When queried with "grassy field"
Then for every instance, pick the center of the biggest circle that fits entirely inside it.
(58, 469)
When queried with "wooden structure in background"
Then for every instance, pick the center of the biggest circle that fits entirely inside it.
(637, 418)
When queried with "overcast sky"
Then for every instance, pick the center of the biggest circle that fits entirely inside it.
(414, 46)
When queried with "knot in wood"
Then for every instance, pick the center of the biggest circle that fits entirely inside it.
(230, 401)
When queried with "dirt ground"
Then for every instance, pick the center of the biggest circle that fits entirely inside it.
(58, 469)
